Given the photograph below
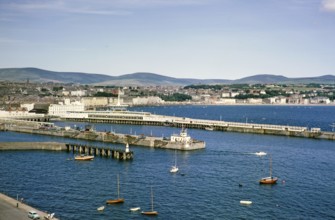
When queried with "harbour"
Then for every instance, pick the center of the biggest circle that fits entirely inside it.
(206, 186)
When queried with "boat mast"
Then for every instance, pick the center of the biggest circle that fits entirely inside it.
(152, 201)
(270, 166)
(118, 187)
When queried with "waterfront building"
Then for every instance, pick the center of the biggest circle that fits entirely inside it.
(95, 101)
(151, 100)
(19, 114)
(61, 109)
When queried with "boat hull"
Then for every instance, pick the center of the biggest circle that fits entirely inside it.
(115, 201)
(174, 169)
(268, 180)
(134, 209)
(195, 145)
(101, 208)
(84, 158)
(246, 202)
(150, 213)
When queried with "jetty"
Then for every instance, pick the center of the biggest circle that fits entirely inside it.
(70, 147)
(50, 129)
(147, 118)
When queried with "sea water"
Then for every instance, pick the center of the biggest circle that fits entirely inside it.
(210, 182)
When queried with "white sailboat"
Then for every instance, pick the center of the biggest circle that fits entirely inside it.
(174, 169)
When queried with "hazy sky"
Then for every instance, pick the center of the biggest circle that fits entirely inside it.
(224, 39)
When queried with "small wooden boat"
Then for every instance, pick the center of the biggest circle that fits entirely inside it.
(246, 202)
(152, 212)
(101, 208)
(118, 200)
(134, 209)
(270, 179)
(84, 157)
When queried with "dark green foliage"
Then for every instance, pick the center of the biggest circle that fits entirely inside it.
(104, 94)
(176, 97)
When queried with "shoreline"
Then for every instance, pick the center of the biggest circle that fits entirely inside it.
(18, 210)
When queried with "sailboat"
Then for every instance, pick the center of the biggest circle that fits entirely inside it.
(118, 200)
(152, 212)
(270, 179)
(174, 169)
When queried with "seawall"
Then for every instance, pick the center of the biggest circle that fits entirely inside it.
(52, 146)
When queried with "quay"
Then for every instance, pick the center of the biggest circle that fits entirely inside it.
(146, 118)
(13, 209)
(74, 148)
(44, 128)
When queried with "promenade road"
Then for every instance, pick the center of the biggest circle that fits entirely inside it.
(10, 211)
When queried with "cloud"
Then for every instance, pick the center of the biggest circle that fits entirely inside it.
(328, 5)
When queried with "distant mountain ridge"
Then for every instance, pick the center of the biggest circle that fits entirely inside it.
(143, 78)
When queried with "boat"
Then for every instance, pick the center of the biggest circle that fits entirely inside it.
(182, 141)
(101, 208)
(246, 202)
(118, 200)
(270, 179)
(134, 209)
(84, 157)
(152, 212)
(174, 168)
(210, 128)
(260, 153)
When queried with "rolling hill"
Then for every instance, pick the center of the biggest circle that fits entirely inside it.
(143, 78)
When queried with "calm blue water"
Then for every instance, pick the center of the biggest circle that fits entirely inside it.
(209, 187)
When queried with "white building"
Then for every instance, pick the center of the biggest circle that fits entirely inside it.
(226, 101)
(61, 109)
(27, 106)
(78, 93)
(95, 101)
(151, 100)
(18, 114)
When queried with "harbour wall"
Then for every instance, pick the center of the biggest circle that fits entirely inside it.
(52, 146)
(266, 129)
(74, 148)
(109, 137)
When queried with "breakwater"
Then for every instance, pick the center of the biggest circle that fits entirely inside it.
(145, 118)
(110, 137)
(52, 146)
(69, 147)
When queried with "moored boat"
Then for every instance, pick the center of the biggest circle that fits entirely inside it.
(246, 202)
(118, 200)
(84, 157)
(152, 212)
(134, 209)
(270, 179)
(182, 141)
(101, 208)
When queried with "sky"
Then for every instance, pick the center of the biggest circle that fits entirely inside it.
(203, 39)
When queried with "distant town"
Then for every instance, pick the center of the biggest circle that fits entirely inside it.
(44, 97)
